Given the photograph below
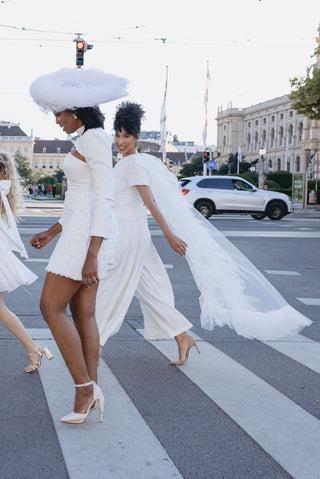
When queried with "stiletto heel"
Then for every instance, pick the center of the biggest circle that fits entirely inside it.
(191, 342)
(96, 403)
(35, 358)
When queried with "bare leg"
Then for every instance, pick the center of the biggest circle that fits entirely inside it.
(57, 292)
(15, 326)
(82, 307)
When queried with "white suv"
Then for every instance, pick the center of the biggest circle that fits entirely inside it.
(231, 194)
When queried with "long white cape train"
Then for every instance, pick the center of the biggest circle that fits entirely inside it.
(232, 291)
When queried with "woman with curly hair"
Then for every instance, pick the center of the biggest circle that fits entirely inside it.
(13, 272)
(232, 291)
(138, 268)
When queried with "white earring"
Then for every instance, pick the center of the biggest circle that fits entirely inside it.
(74, 116)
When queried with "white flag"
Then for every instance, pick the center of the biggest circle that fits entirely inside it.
(204, 132)
(239, 154)
(163, 121)
(287, 151)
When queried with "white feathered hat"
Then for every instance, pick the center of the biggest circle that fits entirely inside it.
(72, 88)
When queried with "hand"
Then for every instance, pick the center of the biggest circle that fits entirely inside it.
(177, 244)
(90, 271)
(39, 240)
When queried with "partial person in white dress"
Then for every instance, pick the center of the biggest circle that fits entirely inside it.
(233, 292)
(13, 273)
(138, 269)
(88, 226)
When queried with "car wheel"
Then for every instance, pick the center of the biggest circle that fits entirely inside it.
(276, 210)
(259, 217)
(205, 208)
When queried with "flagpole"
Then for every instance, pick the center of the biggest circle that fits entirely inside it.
(205, 128)
(163, 122)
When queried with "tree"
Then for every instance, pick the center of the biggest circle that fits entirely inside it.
(23, 167)
(195, 167)
(59, 175)
(306, 95)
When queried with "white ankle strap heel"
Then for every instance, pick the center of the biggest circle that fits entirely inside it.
(96, 403)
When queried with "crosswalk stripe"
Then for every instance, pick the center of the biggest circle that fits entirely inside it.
(282, 428)
(310, 301)
(299, 348)
(259, 234)
(284, 273)
(122, 446)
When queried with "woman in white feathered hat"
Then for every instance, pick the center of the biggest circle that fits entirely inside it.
(88, 226)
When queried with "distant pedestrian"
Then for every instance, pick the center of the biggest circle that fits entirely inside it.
(30, 189)
(13, 272)
(54, 191)
(49, 190)
(42, 188)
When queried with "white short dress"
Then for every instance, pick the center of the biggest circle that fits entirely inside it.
(13, 272)
(88, 208)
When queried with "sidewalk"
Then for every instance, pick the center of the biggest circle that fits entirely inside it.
(312, 212)
(42, 202)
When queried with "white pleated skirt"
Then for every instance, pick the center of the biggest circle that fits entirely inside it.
(138, 271)
(13, 273)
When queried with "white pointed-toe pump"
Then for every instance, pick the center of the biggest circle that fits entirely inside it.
(96, 403)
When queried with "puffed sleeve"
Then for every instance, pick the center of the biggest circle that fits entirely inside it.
(136, 173)
(95, 146)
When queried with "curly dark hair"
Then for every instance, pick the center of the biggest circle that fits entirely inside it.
(128, 117)
(91, 117)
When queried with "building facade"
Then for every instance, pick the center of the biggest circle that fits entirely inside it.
(13, 139)
(48, 155)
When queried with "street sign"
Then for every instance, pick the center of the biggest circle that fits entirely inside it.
(211, 164)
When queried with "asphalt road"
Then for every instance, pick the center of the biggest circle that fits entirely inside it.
(240, 410)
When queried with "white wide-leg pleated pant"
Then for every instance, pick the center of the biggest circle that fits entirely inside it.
(138, 271)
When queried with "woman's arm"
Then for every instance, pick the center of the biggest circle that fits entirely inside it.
(176, 243)
(90, 267)
(41, 239)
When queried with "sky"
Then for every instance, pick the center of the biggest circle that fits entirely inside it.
(253, 48)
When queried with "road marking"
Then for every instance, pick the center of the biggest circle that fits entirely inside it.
(168, 266)
(299, 348)
(310, 301)
(37, 260)
(287, 273)
(122, 446)
(282, 428)
(31, 231)
(259, 234)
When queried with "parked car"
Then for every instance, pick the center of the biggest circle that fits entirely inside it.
(231, 194)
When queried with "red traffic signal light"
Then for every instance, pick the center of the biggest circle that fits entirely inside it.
(206, 156)
(81, 48)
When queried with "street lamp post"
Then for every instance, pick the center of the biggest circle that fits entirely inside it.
(262, 153)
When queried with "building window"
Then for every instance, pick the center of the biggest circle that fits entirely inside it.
(270, 166)
(248, 141)
(58, 150)
(290, 113)
(257, 122)
(50, 165)
(256, 138)
(290, 133)
(272, 118)
(278, 164)
(249, 123)
(264, 121)
(26, 150)
(297, 164)
(272, 138)
(4, 149)
(224, 144)
(281, 136)
(224, 127)
(58, 165)
(300, 129)
(44, 150)
(36, 165)
(44, 164)
(263, 139)
(281, 116)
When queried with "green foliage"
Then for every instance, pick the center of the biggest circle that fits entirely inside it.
(283, 178)
(195, 167)
(251, 177)
(59, 175)
(306, 95)
(24, 169)
(272, 185)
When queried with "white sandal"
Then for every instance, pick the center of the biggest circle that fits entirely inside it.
(96, 403)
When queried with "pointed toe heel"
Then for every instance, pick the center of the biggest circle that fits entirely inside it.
(96, 403)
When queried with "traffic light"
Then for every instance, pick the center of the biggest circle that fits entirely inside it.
(81, 48)
(206, 156)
